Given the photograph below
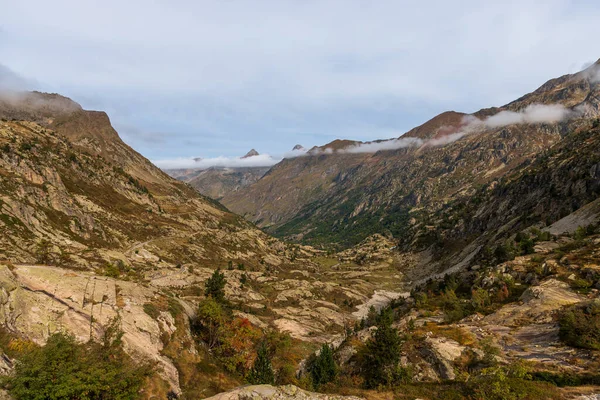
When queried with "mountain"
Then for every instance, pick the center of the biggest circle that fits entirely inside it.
(251, 153)
(342, 197)
(470, 263)
(93, 238)
(218, 182)
(67, 177)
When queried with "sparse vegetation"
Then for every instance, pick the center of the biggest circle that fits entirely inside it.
(580, 325)
(66, 369)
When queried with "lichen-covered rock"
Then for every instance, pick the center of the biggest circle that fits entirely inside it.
(288, 392)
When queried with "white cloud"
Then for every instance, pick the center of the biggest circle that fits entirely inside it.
(261, 160)
(532, 114)
(202, 69)
(392, 144)
(592, 72)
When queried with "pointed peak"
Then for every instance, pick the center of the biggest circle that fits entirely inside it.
(298, 147)
(251, 153)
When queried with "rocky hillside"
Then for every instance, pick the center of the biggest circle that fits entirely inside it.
(341, 196)
(470, 265)
(92, 231)
(72, 190)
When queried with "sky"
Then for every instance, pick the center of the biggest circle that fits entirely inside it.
(213, 79)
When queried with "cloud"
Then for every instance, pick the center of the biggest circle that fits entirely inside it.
(261, 160)
(10, 81)
(200, 70)
(592, 72)
(532, 114)
(392, 144)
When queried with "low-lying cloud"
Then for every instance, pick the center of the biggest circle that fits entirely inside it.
(532, 114)
(592, 73)
(392, 144)
(261, 160)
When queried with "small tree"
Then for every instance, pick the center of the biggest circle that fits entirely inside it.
(382, 354)
(322, 367)
(215, 286)
(262, 370)
(209, 320)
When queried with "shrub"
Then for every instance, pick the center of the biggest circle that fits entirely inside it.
(66, 369)
(208, 322)
(580, 325)
(151, 310)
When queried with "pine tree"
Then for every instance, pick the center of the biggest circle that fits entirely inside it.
(323, 368)
(215, 286)
(262, 371)
(380, 362)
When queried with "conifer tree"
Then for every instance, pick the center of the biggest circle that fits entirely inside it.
(262, 370)
(323, 368)
(215, 286)
(380, 361)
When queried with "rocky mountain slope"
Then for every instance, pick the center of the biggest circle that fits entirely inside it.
(92, 231)
(478, 257)
(341, 196)
(67, 178)
(216, 182)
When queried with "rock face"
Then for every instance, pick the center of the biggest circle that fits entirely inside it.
(37, 301)
(288, 392)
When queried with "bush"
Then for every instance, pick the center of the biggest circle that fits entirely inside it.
(208, 322)
(580, 325)
(66, 369)
(151, 310)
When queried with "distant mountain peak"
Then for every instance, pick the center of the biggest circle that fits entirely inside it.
(251, 153)
(298, 147)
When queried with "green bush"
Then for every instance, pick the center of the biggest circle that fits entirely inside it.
(151, 310)
(66, 369)
(580, 325)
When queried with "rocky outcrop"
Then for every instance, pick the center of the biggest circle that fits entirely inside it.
(36, 301)
(264, 392)
(441, 353)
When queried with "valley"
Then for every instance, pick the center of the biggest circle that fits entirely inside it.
(463, 263)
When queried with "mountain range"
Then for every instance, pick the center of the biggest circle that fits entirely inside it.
(460, 260)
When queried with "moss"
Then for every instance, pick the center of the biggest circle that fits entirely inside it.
(151, 310)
